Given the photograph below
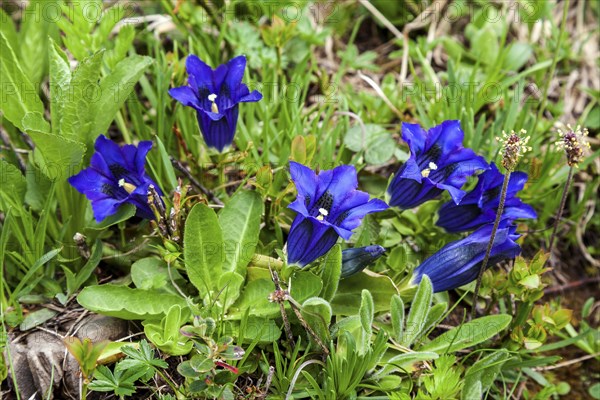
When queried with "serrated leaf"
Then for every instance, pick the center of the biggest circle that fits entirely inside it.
(240, 221)
(17, 94)
(203, 248)
(82, 103)
(60, 81)
(59, 157)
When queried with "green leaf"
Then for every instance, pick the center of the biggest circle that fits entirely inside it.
(468, 335)
(115, 89)
(332, 269)
(82, 103)
(255, 296)
(419, 309)
(17, 95)
(263, 330)
(230, 287)
(203, 248)
(374, 140)
(168, 167)
(481, 375)
(366, 311)
(517, 56)
(124, 212)
(36, 318)
(60, 81)
(152, 273)
(240, 221)
(33, 121)
(7, 27)
(34, 38)
(317, 313)
(397, 313)
(13, 184)
(485, 46)
(87, 270)
(127, 303)
(60, 156)
(348, 296)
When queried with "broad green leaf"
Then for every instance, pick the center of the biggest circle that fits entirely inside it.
(468, 334)
(230, 287)
(7, 27)
(332, 269)
(60, 81)
(348, 296)
(58, 157)
(255, 295)
(317, 313)
(123, 43)
(203, 248)
(115, 89)
(17, 94)
(34, 121)
(374, 140)
(484, 372)
(13, 183)
(127, 303)
(82, 104)
(517, 56)
(33, 42)
(263, 330)
(419, 309)
(240, 221)
(152, 273)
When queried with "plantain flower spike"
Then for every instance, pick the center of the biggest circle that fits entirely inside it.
(514, 145)
(574, 143)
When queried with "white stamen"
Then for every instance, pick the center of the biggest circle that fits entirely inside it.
(322, 214)
(425, 173)
(129, 188)
(212, 97)
(433, 166)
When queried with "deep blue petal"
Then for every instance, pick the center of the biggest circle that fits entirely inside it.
(356, 259)
(459, 262)
(414, 136)
(235, 73)
(217, 134)
(308, 240)
(200, 74)
(306, 183)
(186, 96)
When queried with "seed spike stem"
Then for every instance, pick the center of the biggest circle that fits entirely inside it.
(561, 208)
(488, 251)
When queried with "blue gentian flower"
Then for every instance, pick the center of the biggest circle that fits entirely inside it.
(458, 263)
(356, 259)
(438, 161)
(116, 175)
(215, 95)
(328, 206)
(480, 205)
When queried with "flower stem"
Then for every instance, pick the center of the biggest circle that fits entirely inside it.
(488, 251)
(561, 208)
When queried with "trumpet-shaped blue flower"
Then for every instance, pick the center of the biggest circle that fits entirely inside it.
(459, 262)
(356, 259)
(116, 175)
(438, 161)
(480, 205)
(328, 206)
(215, 95)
